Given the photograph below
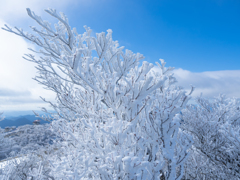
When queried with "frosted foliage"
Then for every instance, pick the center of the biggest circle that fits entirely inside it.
(117, 119)
(214, 126)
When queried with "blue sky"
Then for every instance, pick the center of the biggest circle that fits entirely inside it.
(189, 34)
(200, 38)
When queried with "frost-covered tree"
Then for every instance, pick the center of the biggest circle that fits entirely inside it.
(6, 145)
(117, 119)
(215, 128)
(25, 139)
(27, 146)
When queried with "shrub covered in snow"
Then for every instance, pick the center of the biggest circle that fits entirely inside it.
(117, 119)
(214, 126)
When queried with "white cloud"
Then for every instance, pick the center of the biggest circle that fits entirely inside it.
(211, 83)
(12, 93)
(18, 90)
(16, 83)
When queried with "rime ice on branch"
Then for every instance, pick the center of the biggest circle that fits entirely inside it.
(118, 119)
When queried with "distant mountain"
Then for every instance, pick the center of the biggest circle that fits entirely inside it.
(8, 114)
(18, 113)
(20, 121)
(29, 117)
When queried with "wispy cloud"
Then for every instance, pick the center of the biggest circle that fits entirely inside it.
(211, 83)
(12, 93)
